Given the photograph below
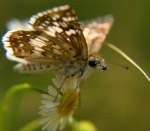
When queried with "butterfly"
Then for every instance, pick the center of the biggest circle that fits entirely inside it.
(57, 41)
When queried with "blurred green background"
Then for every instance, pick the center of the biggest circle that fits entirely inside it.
(115, 100)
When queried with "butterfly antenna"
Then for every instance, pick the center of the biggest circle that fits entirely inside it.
(125, 56)
(126, 67)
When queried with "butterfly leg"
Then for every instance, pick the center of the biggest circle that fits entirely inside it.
(60, 87)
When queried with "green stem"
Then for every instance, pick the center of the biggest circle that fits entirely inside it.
(31, 126)
(117, 50)
(4, 108)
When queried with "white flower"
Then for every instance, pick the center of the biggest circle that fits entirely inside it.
(58, 106)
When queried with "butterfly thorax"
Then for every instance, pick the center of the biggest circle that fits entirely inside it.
(73, 69)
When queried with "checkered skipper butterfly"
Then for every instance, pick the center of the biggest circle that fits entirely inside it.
(57, 41)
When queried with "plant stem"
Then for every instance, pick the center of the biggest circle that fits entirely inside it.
(124, 55)
(4, 108)
(30, 126)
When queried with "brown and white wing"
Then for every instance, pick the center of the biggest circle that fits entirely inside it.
(95, 32)
(35, 46)
(62, 24)
(31, 47)
(51, 41)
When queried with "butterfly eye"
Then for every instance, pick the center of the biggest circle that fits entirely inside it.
(92, 63)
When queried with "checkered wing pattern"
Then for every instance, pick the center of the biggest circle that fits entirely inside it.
(95, 32)
(55, 38)
(61, 23)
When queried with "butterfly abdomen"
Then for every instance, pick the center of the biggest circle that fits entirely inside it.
(32, 68)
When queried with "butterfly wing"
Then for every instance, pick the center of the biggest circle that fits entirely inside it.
(32, 46)
(95, 32)
(62, 23)
(51, 40)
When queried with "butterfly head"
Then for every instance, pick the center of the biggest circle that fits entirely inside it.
(97, 63)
